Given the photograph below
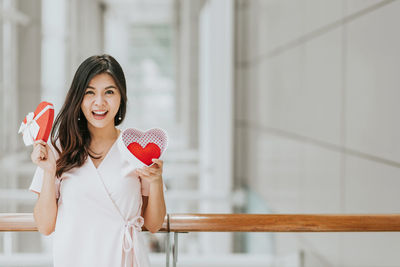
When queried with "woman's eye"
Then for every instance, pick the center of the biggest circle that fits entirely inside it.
(109, 92)
(88, 92)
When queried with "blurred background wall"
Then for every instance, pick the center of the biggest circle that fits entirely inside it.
(271, 107)
(316, 104)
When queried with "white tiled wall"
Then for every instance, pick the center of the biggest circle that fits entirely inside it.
(300, 89)
(371, 187)
(373, 83)
(316, 115)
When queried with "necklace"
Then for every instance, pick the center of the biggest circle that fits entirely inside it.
(105, 150)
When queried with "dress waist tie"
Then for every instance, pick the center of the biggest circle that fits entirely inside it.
(131, 245)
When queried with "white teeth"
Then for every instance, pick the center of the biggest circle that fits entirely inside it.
(99, 113)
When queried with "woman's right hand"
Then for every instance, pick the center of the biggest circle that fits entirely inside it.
(43, 156)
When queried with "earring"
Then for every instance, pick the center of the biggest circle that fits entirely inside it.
(79, 116)
(119, 118)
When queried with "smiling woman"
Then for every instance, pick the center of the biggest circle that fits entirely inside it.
(90, 91)
(101, 101)
(86, 197)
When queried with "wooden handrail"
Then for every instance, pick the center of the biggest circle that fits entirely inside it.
(247, 222)
(284, 222)
(24, 222)
(17, 222)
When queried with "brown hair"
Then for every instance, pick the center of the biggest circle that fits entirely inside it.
(73, 134)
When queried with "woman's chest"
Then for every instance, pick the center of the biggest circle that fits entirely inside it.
(96, 162)
(88, 188)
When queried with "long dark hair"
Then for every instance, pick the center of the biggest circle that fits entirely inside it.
(73, 134)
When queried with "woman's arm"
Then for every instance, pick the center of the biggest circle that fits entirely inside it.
(154, 209)
(45, 211)
(145, 200)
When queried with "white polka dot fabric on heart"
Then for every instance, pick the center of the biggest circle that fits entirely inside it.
(155, 135)
(130, 135)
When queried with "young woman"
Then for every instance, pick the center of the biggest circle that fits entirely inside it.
(95, 210)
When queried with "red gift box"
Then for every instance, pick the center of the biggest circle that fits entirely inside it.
(37, 125)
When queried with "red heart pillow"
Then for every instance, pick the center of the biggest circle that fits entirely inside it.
(147, 145)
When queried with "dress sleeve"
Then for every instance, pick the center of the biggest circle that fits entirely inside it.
(37, 180)
(145, 186)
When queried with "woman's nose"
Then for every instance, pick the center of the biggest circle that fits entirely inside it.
(99, 99)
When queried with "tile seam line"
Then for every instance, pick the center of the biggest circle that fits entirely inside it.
(318, 143)
(311, 35)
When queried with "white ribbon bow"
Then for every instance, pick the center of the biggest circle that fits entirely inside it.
(131, 241)
(30, 130)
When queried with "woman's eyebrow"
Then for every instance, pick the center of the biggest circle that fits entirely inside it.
(108, 87)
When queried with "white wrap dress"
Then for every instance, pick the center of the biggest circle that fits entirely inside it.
(99, 212)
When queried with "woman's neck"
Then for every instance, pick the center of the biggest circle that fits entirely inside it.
(103, 134)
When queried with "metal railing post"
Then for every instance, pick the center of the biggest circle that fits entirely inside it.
(167, 249)
(175, 250)
(168, 244)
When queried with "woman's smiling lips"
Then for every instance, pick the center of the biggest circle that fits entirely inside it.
(99, 115)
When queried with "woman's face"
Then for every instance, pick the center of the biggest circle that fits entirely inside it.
(101, 101)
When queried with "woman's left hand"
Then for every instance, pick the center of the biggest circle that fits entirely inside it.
(152, 173)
